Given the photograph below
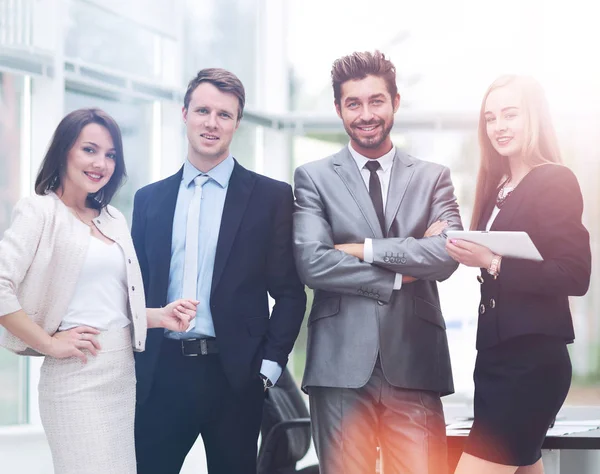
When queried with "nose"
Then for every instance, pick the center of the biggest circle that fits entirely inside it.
(366, 114)
(211, 120)
(100, 161)
(500, 125)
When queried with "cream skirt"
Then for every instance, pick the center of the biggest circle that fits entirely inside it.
(88, 410)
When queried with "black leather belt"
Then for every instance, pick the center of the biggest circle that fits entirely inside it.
(196, 347)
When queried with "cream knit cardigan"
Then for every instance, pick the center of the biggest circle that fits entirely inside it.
(41, 256)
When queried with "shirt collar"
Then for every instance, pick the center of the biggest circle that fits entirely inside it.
(385, 161)
(220, 173)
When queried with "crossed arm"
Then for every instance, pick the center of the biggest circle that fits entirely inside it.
(339, 267)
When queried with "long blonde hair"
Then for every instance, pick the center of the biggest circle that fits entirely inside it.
(540, 147)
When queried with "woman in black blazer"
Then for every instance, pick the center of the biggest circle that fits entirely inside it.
(523, 371)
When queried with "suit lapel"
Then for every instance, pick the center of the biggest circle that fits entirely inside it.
(512, 204)
(400, 177)
(345, 166)
(238, 194)
(161, 225)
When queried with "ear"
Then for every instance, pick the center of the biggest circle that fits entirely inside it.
(338, 109)
(184, 113)
(396, 102)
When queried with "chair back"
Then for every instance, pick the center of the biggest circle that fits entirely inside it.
(284, 403)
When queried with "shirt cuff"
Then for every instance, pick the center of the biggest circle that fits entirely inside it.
(368, 251)
(272, 370)
(398, 281)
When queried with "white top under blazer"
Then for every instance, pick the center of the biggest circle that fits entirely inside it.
(41, 257)
(100, 297)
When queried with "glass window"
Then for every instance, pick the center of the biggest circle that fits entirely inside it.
(135, 120)
(97, 36)
(222, 34)
(12, 367)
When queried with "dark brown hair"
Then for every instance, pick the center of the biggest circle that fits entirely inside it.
(223, 80)
(357, 66)
(54, 165)
(540, 147)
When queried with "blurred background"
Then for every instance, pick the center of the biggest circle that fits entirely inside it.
(133, 59)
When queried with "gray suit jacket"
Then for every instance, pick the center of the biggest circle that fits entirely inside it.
(356, 315)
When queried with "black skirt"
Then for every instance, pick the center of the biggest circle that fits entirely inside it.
(520, 386)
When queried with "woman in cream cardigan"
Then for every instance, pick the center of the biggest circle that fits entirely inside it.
(71, 289)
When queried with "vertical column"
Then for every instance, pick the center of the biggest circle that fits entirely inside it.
(274, 158)
(46, 110)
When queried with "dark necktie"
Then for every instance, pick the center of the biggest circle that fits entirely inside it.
(375, 191)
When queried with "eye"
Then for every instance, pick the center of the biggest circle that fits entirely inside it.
(89, 149)
(202, 110)
(510, 116)
(377, 102)
(352, 105)
(225, 115)
(490, 119)
(112, 156)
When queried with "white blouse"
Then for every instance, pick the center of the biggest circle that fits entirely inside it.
(100, 297)
(492, 218)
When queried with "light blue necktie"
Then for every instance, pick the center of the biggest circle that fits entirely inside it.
(190, 266)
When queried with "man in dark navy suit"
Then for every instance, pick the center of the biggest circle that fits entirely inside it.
(221, 234)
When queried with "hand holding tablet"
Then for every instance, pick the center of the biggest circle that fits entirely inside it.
(506, 244)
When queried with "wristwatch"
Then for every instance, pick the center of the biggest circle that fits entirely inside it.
(266, 382)
(495, 266)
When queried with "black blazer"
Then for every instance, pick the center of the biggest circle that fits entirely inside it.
(253, 259)
(532, 297)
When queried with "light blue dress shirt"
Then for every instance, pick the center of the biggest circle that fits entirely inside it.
(214, 193)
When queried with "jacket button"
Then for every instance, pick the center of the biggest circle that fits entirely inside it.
(492, 303)
(480, 279)
(380, 303)
(139, 343)
(133, 288)
(129, 260)
(98, 222)
(481, 308)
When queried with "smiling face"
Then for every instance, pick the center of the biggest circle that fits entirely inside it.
(367, 111)
(505, 120)
(211, 120)
(90, 162)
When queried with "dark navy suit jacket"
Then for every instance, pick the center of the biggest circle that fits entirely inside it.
(530, 297)
(254, 258)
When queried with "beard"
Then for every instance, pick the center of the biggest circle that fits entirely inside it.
(374, 141)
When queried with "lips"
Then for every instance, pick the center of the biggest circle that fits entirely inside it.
(503, 141)
(95, 177)
(210, 137)
(367, 128)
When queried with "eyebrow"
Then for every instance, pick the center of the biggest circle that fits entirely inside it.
(371, 97)
(504, 109)
(218, 110)
(97, 146)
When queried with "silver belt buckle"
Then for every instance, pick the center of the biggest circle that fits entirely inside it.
(203, 347)
(183, 348)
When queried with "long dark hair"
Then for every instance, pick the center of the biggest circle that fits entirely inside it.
(54, 165)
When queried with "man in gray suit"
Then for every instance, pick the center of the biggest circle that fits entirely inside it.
(369, 239)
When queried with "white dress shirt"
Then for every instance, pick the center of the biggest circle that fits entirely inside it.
(384, 173)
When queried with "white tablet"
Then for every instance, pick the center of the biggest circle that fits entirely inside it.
(507, 244)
